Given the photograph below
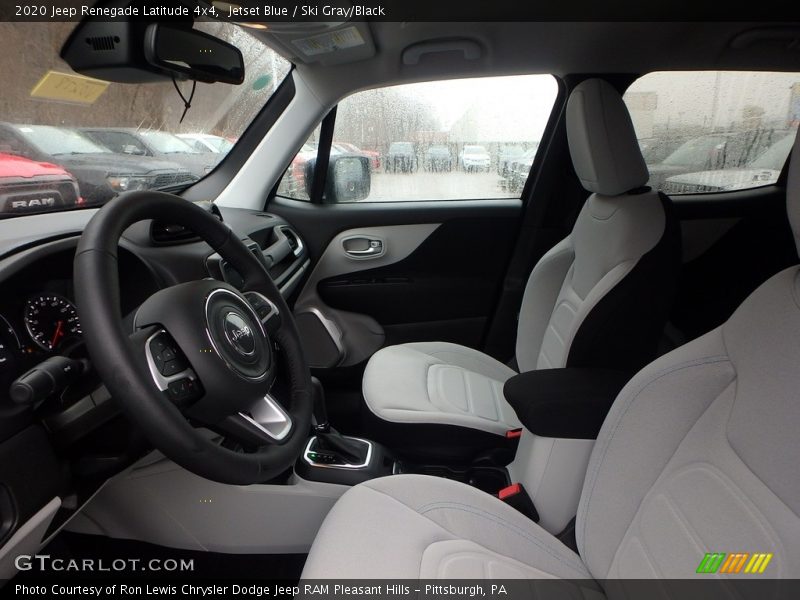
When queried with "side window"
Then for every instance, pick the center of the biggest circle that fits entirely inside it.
(714, 131)
(296, 181)
(466, 139)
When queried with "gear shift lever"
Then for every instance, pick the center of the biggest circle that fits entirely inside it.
(321, 424)
(346, 450)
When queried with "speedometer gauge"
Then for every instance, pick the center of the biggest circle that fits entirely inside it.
(50, 319)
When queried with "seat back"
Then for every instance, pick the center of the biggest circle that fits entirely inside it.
(700, 453)
(601, 296)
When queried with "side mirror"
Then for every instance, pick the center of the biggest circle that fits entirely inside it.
(348, 179)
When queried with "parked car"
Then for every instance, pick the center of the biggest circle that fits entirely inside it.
(205, 142)
(157, 144)
(474, 158)
(32, 186)
(438, 158)
(656, 149)
(100, 173)
(518, 170)
(293, 183)
(763, 170)
(712, 152)
(401, 157)
(506, 156)
(373, 156)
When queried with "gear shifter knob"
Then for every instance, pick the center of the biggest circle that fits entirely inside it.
(321, 424)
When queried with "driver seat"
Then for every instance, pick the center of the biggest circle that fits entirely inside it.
(697, 455)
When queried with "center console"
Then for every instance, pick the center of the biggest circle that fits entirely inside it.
(330, 457)
(562, 411)
(319, 462)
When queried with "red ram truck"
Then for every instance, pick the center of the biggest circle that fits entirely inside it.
(31, 186)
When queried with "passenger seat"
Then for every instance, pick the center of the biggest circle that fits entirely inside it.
(600, 298)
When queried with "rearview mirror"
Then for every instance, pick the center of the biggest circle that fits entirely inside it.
(192, 54)
(137, 52)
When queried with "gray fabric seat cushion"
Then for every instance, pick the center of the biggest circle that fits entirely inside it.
(438, 382)
(417, 526)
(699, 452)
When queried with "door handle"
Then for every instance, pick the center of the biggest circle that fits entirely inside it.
(368, 252)
(360, 247)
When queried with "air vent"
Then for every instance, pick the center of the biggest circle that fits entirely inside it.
(162, 233)
(103, 43)
(295, 243)
(169, 233)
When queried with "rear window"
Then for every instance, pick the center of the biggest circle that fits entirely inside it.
(714, 131)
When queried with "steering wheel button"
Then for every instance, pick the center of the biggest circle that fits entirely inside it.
(159, 363)
(157, 345)
(182, 389)
(171, 367)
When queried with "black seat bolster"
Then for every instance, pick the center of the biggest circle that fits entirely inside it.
(564, 403)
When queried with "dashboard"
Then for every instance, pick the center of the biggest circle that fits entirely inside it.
(77, 438)
(38, 317)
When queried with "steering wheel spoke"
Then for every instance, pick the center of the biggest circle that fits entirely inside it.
(264, 423)
(267, 311)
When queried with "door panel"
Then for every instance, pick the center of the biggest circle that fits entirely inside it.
(437, 275)
(453, 274)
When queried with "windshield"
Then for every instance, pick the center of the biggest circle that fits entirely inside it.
(166, 142)
(57, 141)
(49, 114)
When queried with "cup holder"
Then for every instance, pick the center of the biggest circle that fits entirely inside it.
(487, 479)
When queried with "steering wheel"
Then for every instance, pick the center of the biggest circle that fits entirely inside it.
(204, 355)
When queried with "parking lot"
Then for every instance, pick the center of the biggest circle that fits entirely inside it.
(423, 185)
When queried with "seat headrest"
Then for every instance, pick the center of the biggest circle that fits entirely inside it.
(793, 192)
(602, 142)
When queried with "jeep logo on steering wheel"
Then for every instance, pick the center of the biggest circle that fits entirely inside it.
(239, 334)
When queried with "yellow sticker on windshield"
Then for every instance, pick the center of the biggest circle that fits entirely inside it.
(69, 88)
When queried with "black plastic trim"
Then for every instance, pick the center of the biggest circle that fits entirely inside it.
(30, 474)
